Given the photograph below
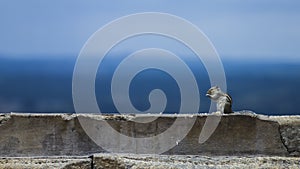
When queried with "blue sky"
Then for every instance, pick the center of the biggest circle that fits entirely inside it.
(254, 29)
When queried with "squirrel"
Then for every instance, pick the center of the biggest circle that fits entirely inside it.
(224, 101)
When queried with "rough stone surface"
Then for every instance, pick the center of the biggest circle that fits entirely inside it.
(242, 133)
(129, 161)
(46, 162)
(134, 161)
(290, 133)
(236, 135)
(43, 135)
(241, 140)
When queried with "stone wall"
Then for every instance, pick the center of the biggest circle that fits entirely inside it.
(243, 139)
(242, 133)
(134, 161)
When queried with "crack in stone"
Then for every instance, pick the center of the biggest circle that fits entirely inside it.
(282, 139)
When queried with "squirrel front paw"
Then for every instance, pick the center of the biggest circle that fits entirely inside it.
(217, 113)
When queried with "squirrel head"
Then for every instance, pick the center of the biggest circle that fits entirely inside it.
(214, 93)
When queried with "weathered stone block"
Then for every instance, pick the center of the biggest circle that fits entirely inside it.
(133, 161)
(46, 162)
(241, 133)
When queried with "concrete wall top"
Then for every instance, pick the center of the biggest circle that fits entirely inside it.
(241, 133)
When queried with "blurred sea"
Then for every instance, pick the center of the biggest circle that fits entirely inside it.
(45, 85)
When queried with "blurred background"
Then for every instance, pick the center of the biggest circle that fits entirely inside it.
(258, 43)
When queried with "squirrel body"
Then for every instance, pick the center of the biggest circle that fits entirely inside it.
(224, 101)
